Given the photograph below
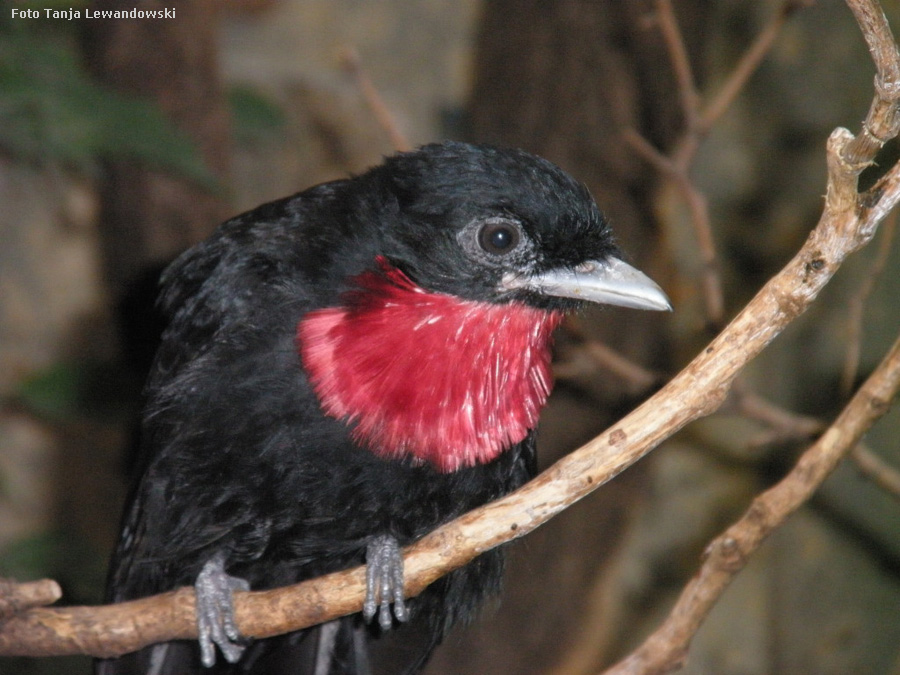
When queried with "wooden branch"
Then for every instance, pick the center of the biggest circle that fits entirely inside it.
(748, 64)
(666, 650)
(678, 171)
(15, 597)
(877, 470)
(371, 95)
(883, 121)
(681, 64)
(697, 124)
(847, 223)
(598, 355)
(782, 425)
(695, 392)
(857, 305)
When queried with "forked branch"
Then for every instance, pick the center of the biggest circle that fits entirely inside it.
(848, 222)
(695, 392)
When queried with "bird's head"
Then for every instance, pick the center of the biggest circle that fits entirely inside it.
(498, 225)
(440, 349)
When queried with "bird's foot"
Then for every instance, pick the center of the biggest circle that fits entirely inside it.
(215, 611)
(384, 581)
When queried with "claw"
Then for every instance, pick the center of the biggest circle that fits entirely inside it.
(216, 624)
(384, 582)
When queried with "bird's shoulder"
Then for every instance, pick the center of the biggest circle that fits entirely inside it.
(256, 274)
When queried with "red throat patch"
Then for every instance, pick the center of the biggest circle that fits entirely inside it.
(447, 381)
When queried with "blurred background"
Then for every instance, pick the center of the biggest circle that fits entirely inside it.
(122, 142)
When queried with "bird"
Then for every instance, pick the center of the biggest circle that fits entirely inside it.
(344, 370)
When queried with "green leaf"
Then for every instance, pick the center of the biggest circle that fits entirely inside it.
(54, 392)
(94, 390)
(30, 557)
(254, 117)
(50, 109)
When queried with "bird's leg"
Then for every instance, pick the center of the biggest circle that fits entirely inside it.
(215, 611)
(384, 581)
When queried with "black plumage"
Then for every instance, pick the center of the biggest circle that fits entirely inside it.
(238, 459)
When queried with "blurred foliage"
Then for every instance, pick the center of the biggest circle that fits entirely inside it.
(52, 110)
(53, 393)
(71, 390)
(255, 118)
(29, 558)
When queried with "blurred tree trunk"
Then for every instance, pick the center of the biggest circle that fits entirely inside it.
(563, 80)
(147, 215)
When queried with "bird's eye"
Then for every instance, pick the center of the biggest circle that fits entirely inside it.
(499, 236)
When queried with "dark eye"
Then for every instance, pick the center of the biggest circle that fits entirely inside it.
(499, 236)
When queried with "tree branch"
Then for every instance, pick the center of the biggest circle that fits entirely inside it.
(15, 597)
(681, 64)
(695, 392)
(697, 123)
(857, 305)
(883, 121)
(666, 650)
(380, 111)
(848, 222)
(877, 470)
(748, 64)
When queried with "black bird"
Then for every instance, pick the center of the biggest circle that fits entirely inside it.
(344, 370)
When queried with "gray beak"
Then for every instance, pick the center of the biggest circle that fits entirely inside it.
(610, 282)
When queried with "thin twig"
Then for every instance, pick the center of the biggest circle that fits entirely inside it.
(374, 100)
(640, 380)
(877, 470)
(710, 278)
(784, 425)
(747, 65)
(695, 392)
(857, 305)
(883, 121)
(666, 650)
(697, 124)
(650, 154)
(681, 64)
